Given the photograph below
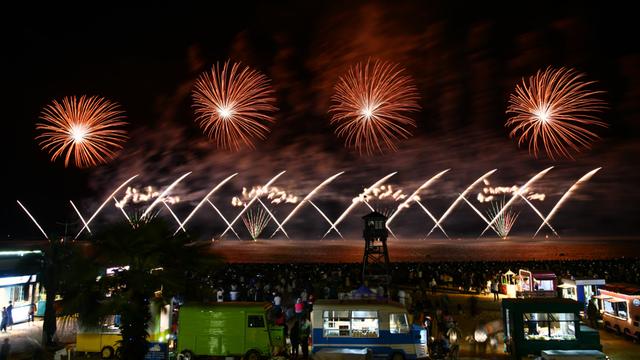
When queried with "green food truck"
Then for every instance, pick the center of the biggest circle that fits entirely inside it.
(238, 329)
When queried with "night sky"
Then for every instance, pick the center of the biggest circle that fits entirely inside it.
(466, 58)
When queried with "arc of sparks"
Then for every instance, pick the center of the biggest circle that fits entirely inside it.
(544, 221)
(459, 198)
(273, 217)
(105, 203)
(306, 199)
(162, 195)
(413, 197)
(480, 214)
(33, 219)
(355, 203)
(123, 212)
(253, 199)
(516, 195)
(566, 195)
(223, 218)
(174, 216)
(80, 216)
(424, 208)
(205, 199)
(324, 216)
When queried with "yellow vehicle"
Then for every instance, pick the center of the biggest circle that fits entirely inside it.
(105, 339)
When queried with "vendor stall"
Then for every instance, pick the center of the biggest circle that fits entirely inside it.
(620, 308)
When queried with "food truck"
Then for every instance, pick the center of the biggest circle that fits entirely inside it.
(581, 289)
(536, 284)
(19, 282)
(508, 284)
(620, 308)
(238, 329)
(535, 324)
(379, 326)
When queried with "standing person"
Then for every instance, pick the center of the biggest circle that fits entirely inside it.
(32, 312)
(454, 335)
(220, 295)
(277, 301)
(305, 332)
(299, 307)
(433, 285)
(3, 324)
(294, 338)
(10, 315)
(592, 313)
(495, 289)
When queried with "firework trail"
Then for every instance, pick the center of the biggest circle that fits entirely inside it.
(414, 197)
(223, 218)
(355, 202)
(80, 216)
(307, 199)
(480, 214)
(123, 212)
(566, 195)
(505, 220)
(89, 130)
(325, 217)
(554, 110)
(517, 194)
(460, 197)
(255, 222)
(266, 186)
(233, 105)
(174, 216)
(371, 105)
(273, 217)
(433, 218)
(544, 221)
(206, 198)
(112, 195)
(162, 195)
(33, 219)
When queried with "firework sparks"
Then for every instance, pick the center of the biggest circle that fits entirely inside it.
(234, 105)
(88, 131)
(504, 219)
(555, 110)
(256, 221)
(371, 106)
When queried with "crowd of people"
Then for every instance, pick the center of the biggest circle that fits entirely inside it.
(293, 288)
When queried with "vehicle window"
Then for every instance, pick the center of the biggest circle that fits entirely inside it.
(364, 324)
(550, 326)
(336, 323)
(398, 323)
(255, 321)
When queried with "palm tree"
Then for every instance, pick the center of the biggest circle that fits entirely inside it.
(154, 265)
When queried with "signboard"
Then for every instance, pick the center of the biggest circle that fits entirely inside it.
(157, 351)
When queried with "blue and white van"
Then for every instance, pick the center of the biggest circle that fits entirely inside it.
(381, 326)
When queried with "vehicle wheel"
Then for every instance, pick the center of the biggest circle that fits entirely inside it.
(187, 355)
(627, 333)
(252, 355)
(397, 356)
(107, 352)
(617, 329)
(118, 353)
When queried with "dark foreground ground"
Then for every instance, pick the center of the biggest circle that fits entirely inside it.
(468, 249)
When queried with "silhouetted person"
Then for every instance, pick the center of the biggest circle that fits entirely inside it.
(294, 337)
(5, 349)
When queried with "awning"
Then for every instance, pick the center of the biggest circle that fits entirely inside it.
(601, 297)
(509, 273)
(565, 286)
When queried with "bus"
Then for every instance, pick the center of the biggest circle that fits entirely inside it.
(381, 326)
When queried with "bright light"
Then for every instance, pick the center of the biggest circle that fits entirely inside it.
(78, 133)
(544, 115)
(367, 113)
(224, 112)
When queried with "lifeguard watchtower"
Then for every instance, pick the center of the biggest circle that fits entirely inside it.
(375, 263)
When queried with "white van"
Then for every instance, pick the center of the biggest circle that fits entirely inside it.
(379, 326)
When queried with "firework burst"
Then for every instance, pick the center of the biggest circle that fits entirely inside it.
(234, 105)
(88, 131)
(555, 110)
(255, 222)
(505, 221)
(371, 105)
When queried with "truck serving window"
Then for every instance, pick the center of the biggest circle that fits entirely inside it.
(550, 326)
(364, 324)
(255, 321)
(336, 323)
(398, 323)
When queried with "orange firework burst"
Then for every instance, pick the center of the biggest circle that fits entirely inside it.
(234, 105)
(554, 110)
(371, 106)
(88, 129)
